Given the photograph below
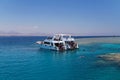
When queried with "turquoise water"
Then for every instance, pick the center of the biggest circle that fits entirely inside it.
(21, 59)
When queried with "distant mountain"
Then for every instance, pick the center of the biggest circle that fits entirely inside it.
(13, 33)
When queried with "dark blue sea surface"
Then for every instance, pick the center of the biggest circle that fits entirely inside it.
(21, 59)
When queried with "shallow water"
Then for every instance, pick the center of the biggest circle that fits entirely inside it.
(21, 59)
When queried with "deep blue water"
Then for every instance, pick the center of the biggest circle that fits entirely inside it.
(21, 59)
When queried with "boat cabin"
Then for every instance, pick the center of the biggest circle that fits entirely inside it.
(59, 42)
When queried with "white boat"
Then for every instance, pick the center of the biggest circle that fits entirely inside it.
(59, 42)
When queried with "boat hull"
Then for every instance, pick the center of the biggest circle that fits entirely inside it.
(42, 46)
(48, 47)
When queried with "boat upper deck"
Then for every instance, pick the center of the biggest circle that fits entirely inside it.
(60, 37)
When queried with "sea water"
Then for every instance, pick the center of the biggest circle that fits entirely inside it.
(22, 59)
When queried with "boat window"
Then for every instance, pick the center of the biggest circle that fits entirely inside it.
(66, 41)
(57, 44)
(46, 42)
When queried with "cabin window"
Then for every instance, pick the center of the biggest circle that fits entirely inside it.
(57, 44)
(47, 43)
(66, 41)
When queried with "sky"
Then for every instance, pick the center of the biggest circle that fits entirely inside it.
(79, 17)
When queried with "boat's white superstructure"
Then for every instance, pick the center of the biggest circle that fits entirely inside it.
(58, 42)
